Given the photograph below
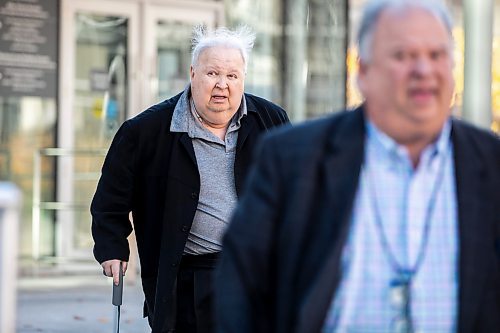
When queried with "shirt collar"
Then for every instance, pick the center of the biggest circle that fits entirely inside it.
(389, 147)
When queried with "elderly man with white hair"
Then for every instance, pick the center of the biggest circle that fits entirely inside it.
(179, 167)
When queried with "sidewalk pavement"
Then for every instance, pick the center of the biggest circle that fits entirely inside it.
(77, 304)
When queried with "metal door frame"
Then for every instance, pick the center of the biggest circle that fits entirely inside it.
(65, 140)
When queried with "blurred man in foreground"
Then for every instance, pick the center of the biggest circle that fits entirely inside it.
(382, 219)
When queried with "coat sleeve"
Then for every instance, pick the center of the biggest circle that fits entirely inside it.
(245, 273)
(112, 200)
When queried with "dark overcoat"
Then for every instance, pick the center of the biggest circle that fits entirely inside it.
(280, 263)
(153, 173)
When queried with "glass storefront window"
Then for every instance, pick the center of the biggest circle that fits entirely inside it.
(26, 125)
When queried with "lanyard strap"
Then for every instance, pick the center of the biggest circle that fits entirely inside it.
(408, 271)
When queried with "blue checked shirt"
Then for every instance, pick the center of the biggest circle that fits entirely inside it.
(402, 193)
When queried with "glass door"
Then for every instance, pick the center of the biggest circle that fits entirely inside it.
(98, 88)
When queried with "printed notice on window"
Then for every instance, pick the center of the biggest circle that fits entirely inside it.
(28, 48)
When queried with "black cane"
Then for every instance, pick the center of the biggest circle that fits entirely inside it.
(117, 299)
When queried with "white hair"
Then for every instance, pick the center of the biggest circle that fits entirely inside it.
(374, 8)
(241, 39)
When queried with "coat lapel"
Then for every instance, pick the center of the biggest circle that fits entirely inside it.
(248, 124)
(473, 232)
(340, 168)
(247, 137)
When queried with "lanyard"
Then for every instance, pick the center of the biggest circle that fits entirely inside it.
(395, 264)
(400, 287)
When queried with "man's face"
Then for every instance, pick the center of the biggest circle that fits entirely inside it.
(408, 82)
(217, 84)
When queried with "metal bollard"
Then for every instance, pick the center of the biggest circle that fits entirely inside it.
(10, 205)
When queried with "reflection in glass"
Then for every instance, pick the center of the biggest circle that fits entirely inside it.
(101, 78)
(26, 125)
(100, 105)
(174, 58)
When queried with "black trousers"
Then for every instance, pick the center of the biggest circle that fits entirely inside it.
(195, 294)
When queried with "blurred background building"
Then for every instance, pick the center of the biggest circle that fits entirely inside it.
(71, 71)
